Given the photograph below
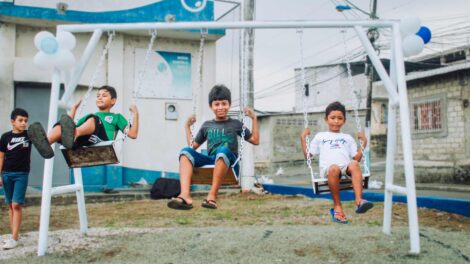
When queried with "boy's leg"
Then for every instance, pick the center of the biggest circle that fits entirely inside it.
(18, 199)
(16, 220)
(334, 176)
(220, 171)
(86, 128)
(186, 171)
(54, 135)
(356, 176)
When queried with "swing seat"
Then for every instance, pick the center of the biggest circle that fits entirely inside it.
(102, 153)
(203, 175)
(321, 185)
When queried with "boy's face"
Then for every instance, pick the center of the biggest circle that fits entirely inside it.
(335, 121)
(104, 100)
(19, 124)
(220, 109)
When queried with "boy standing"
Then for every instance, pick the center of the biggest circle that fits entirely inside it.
(90, 129)
(222, 147)
(339, 156)
(15, 160)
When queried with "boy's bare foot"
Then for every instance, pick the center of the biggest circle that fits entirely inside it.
(68, 131)
(38, 137)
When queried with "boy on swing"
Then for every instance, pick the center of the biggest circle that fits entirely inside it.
(222, 148)
(89, 130)
(339, 156)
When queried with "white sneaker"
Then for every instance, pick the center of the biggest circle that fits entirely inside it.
(10, 244)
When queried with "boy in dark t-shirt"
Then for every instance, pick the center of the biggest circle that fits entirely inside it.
(15, 160)
(222, 146)
(90, 129)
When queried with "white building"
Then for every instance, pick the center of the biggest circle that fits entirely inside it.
(155, 152)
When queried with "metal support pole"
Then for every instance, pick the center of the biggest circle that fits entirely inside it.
(48, 168)
(77, 174)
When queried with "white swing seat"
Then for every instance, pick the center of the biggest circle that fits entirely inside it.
(102, 153)
(320, 185)
(203, 175)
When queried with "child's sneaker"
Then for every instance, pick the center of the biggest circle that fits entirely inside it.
(38, 137)
(363, 206)
(68, 131)
(10, 244)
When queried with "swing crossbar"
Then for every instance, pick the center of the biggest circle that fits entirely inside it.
(102, 153)
(321, 185)
(204, 174)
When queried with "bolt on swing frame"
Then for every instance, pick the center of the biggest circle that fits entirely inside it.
(395, 85)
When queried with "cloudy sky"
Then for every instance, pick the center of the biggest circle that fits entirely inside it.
(277, 51)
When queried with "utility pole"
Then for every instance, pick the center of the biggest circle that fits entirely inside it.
(248, 164)
(373, 35)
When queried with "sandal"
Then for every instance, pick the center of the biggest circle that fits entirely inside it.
(68, 131)
(38, 137)
(338, 217)
(179, 203)
(210, 204)
(363, 206)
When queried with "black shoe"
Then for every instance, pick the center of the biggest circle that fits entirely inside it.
(68, 131)
(38, 137)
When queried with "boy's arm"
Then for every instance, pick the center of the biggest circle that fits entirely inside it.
(303, 143)
(134, 129)
(362, 141)
(254, 139)
(73, 109)
(187, 126)
(2, 156)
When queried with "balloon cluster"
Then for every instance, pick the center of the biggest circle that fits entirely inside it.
(54, 51)
(414, 36)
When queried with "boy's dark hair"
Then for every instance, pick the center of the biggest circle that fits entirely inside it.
(18, 112)
(220, 92)
(335, 106)
(110, 90)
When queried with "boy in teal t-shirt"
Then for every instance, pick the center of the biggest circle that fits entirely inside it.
(90, 129)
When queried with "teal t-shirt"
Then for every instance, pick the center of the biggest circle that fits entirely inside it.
(112, 123)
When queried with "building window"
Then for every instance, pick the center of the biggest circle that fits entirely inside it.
(427, 116)
(383, 114)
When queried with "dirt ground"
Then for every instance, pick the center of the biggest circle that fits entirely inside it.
(263, 229)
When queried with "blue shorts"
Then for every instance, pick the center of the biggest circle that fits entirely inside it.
(14, 185)
(199, 159)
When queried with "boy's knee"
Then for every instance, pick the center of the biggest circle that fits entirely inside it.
(188, 154)
(334, 170)
(16, 206)
(354, 165)
(223, 153)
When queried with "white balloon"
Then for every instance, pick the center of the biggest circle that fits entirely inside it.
(64, 59)
(412, 45)
(409, 26)
(66, 40)
(40, 36)
(43, 61)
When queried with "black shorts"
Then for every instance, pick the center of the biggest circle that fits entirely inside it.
(98, 135)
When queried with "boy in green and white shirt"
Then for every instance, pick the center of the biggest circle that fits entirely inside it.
(90, 129)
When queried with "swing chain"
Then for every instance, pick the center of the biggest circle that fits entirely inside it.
(111, 35)
(357, 96)
(303, 83)
(140, 80)
(200, 68)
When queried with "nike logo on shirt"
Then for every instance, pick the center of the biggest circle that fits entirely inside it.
(10, 147)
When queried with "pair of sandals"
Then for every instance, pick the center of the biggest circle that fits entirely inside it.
(38, 136)
(340, 217)
(179, 203)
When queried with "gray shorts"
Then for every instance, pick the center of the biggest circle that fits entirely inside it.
(324, 172)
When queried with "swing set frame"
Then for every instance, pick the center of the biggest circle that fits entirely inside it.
(395, 84)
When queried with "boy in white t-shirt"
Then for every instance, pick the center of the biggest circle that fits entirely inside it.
(338, 156)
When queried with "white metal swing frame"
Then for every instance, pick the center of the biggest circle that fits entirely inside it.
(395, 85)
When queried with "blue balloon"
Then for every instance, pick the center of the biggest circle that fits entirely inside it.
(425, 34)
(49, 45)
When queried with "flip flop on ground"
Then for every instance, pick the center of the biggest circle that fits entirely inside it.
(68, 131)
(338, 217)
(363, 206)
(38, 137)
(179, 203)
(210, 204)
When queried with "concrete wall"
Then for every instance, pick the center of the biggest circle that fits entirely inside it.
(7, 55)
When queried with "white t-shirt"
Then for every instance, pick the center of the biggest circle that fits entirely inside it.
(333, 148)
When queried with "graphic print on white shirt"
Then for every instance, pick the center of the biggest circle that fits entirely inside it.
(333, 148)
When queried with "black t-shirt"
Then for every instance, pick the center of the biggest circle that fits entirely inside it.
(221, 134)
(17, 150)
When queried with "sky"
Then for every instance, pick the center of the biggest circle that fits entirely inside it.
(277, 53)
